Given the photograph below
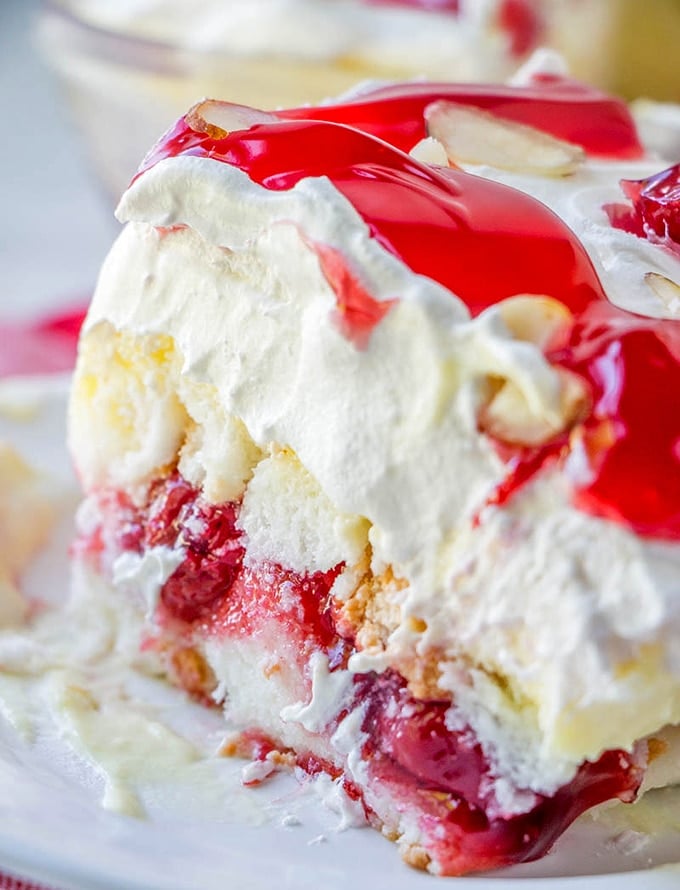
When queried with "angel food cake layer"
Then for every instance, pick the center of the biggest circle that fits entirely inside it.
(380, 434)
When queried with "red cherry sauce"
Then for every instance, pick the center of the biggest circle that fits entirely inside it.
(441, 774)
(565, 108)
(44, 347)
(448, 225)
(358, 311)
(445, 775)
(445, 224)
(654, 211)
(212, 590)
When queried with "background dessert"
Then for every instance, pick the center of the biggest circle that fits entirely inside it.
(624, 46)
(130, 70)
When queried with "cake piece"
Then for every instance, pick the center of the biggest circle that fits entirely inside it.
(380, 441)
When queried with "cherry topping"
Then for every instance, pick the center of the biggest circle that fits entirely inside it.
(176, 517)
(444, 775)
(632, 437)
(212, 586)
(358, 311)
(562, 107)
(655, 213)
(447, 224)
(414, 735)
(443, 223)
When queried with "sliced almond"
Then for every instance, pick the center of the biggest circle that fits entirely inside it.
(667, 291)
(537, 319)
(508, 417)
(430, 151)
(218, 119)
(471, 135)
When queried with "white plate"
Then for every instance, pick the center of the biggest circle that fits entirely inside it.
(213, 834)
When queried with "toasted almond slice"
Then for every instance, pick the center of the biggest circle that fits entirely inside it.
(667, 291)
(218, 119)
(509, 418)
(430, 151)
(537, 319)
(473, 136)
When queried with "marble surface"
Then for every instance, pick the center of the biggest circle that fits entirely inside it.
(55, 224)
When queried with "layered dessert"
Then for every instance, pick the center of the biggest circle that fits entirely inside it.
(374, 413)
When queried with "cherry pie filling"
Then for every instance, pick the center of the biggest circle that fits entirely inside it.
(443, 774)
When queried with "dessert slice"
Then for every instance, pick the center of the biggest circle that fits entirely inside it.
(385, 459)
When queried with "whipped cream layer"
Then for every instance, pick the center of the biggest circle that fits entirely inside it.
(555, 630)
(390, 40)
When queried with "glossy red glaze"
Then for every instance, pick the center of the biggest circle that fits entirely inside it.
(654, 211)
(632, 435)
(562, 107)
(358, 311)
(443, 223)
(448, 225)
(444, 775)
